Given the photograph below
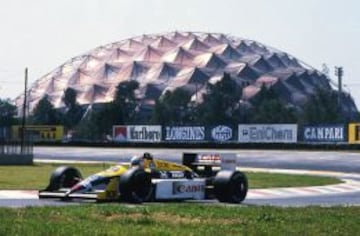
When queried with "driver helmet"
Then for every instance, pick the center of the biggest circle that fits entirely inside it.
(137, 161)
(148, 156)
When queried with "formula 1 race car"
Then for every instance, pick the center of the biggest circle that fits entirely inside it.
(200, 176)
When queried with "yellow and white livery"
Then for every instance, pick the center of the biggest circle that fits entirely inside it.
(200, 176)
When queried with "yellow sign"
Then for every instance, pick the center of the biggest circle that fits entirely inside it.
(40, 132)
(354, 133)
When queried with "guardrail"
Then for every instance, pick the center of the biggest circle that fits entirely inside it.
(16, 152)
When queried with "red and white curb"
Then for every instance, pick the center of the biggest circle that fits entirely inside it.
(18, 194)
(347, 187)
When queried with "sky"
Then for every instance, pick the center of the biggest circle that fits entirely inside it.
(43, 34)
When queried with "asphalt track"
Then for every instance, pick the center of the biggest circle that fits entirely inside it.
(345, 165)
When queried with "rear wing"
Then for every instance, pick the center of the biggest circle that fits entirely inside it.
(206, 161)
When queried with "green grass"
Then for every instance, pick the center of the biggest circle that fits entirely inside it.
(178, 219)
(267, 180)
(171, 218)
(37, 177)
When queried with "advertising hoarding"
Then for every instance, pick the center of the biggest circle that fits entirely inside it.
(120, 133)
(324, 133)
(354, 133)
(221, 133)
(137, 133)
(184, 133)
(267, 133)
(39, 132)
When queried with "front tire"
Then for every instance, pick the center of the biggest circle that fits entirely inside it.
(230, 186)
(135, 186)
(64, 177)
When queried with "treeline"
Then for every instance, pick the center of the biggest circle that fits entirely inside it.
(219, 104)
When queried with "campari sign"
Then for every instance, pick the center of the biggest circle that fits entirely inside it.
(324, 133)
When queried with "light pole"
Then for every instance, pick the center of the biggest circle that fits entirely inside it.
(24, 114)
(339, 72)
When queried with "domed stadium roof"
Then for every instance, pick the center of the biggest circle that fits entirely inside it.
(161, 62)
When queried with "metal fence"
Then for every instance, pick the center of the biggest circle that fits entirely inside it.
(11, 148)
(16, 152)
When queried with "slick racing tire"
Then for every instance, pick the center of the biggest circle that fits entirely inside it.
(230, 186)
(64, 177)
(135, 186)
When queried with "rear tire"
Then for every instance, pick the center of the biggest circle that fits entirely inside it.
(230, 186)
(64, 177)
(135, 186)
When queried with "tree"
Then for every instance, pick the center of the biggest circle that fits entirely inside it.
(74, 111)
(7, 113)
(269, 108)
(87, 129)
(322, 108)
(70, 98)
(221, 102)
(173, 108)
(125, 101)
(44, 113)
(100, 121)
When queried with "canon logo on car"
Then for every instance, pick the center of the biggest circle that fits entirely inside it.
(180, 188)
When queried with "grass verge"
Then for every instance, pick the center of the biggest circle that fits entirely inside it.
(37, 177)
(178, 219)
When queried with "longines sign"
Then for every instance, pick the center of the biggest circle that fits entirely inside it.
(264, 133)
(184, 133)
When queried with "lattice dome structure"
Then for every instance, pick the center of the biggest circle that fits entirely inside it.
(189, 60)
